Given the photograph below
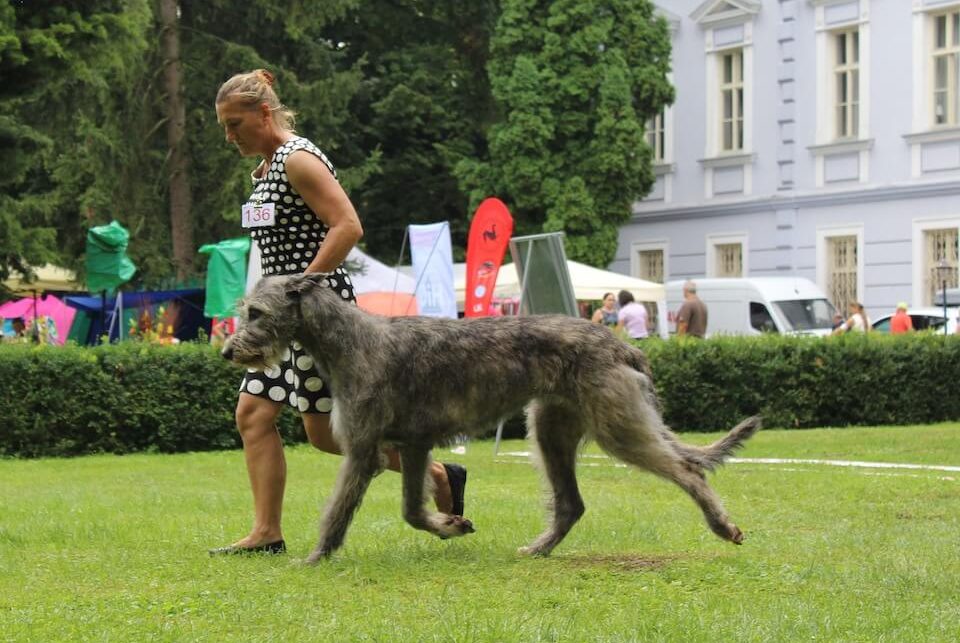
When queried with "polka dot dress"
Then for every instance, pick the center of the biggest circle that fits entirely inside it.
(287, 248)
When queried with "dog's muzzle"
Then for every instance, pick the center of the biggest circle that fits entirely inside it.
(227, 352)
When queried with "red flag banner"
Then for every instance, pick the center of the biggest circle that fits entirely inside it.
(487, 243)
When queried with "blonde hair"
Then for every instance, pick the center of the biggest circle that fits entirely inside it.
(256, 87)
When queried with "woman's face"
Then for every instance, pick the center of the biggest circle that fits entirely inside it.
(609, 301)
(243, 126)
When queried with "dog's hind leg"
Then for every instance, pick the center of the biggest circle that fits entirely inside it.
(413, 463)
(360, 465)
(556, 432)
(632, 434)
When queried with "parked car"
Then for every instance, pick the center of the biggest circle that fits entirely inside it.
(927, 318)
(755, 305)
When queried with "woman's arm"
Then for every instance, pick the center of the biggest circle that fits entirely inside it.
(325, 197)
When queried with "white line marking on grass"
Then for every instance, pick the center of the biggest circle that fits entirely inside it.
(792, 461)
(846, 463)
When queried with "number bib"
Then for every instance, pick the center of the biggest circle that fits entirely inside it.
(258, 216)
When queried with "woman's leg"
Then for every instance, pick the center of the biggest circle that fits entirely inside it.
(317, 426)
(266, 467)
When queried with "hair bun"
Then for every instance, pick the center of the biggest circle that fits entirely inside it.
(265, 76)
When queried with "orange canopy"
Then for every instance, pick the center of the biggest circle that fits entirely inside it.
(391, 304)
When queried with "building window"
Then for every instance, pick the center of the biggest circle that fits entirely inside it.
(846, 72)
(651, 265)
(729, 257)
(842, 271)
(731, 100)
(656, 137)
(939, 245)
(946, 49)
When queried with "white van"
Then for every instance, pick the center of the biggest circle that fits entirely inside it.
(755, 305)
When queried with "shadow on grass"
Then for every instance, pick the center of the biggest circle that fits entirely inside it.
(626, 562)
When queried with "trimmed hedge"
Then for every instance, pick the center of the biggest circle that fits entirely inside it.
(802, 382)
(122, 398)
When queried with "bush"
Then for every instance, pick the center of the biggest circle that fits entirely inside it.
(851, 379)
(133, 396)
(119, 398)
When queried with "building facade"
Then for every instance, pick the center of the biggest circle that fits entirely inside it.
(816, 138)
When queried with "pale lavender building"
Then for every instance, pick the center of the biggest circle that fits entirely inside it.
(818, 138)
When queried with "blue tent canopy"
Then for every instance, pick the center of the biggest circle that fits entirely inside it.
(190, 317)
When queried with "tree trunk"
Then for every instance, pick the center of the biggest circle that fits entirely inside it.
(181, 216)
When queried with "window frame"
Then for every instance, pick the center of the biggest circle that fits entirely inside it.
(728, 238)
(951, 53)
(823, 236)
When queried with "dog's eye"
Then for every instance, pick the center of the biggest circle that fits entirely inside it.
(253, 313)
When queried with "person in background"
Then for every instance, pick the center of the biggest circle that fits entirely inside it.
(607, 313)
(857, 322)
(901, 321)
(632, 318)
(19, 328)
(692, 316)
(837, 321)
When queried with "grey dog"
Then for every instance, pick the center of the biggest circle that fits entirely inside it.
(416, 382)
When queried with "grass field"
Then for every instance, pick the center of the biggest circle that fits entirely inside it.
(114, 549)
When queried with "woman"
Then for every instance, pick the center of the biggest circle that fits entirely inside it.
(632, 318)
(858, 320)
(302, 221)
(607, 313)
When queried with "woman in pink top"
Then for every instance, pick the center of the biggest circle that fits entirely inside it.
(632, 317)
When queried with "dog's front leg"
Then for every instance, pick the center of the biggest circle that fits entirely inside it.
(414, 461)
(359, 467)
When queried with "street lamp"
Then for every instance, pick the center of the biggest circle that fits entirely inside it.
(944, 270)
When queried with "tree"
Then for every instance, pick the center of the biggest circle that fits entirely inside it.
(423, 104)
(66, 68)
(178, 179)
(84, 116)
(574, 81)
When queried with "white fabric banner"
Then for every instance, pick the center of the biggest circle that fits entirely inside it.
(432, 257)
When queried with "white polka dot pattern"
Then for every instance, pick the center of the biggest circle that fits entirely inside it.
(295, 220)
(288, 247)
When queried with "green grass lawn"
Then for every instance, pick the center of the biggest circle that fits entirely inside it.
(114, 549)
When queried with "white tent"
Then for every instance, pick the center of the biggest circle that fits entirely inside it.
(377, 276)
(48, 277)
(589, 283)
(367, 274)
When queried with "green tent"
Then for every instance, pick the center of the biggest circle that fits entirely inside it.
(226, 276)
(108, 265)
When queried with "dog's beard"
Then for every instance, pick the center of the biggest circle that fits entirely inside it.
(255, 356)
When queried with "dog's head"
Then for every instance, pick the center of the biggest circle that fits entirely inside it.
(270, 317)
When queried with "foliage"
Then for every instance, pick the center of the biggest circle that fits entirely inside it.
(423, 104)
(65, 135)
(832, 554)
(82, 122)
(852, 379)
(574, 82)
(140, 395)
(120, 398)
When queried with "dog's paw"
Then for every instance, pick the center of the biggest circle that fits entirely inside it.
(316, 556)
(453, 526)
(533, 552)
(736, 536)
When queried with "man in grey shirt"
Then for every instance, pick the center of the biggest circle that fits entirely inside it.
(692, 318)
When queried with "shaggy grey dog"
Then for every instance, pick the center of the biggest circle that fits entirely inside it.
(416, 382)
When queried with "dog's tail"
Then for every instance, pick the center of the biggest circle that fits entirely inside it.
(711, 457)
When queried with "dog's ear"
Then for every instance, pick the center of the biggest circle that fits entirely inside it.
(302, 283)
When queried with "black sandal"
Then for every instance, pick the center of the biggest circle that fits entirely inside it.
(457, 477)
